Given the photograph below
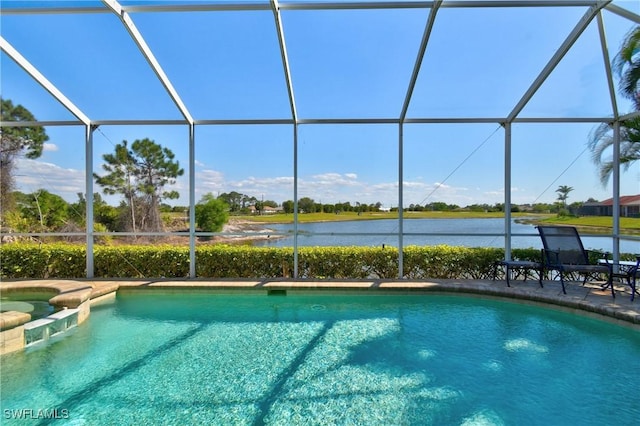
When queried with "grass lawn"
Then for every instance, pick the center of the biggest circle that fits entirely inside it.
(332, 217)
(627, 224)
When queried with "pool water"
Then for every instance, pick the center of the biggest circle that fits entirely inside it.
(203, 358)
(36, 308)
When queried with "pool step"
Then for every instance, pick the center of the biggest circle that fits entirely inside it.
(42, 329)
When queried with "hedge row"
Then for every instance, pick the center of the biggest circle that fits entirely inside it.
(20, 261)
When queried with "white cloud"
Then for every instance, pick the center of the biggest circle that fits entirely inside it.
(261, 184)
(278, 188)
(424, 193)
(50, 147)
(206, 181)
(31, 175)
(416, 185)
(331, 178)
(494, 193)
(209, 179)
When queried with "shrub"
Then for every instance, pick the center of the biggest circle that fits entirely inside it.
(33, 260)
(230, 261)
(61, 260)
(161, 261)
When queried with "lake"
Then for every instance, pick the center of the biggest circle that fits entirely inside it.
(486, 234)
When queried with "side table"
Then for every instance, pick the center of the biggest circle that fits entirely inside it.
(523, 265)
(626, 270)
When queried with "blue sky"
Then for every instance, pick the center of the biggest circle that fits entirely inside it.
(344, 64)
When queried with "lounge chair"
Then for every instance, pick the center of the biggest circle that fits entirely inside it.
(563, 252)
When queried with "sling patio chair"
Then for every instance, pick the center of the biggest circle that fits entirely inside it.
(563, 252)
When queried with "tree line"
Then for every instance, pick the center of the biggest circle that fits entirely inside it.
(43, 211)
(308, 205)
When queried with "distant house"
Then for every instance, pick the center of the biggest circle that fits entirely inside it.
(629, 207)
(271, 210)
(265, 210)
(592, 208)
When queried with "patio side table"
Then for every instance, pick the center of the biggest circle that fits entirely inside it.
(626, 270)
(518, 265)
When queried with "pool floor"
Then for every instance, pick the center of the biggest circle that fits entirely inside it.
(326, 359)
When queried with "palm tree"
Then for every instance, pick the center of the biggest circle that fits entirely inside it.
(563, 193)
(601, 140)
(627, 66)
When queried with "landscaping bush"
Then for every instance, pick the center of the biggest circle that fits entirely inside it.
(61, 260)
(230, 261)
(159, 261)
(33, 260)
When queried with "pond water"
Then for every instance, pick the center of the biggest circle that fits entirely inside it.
(487, 234)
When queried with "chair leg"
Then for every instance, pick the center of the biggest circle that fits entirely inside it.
(540, 272)
(562, 282)
(610, 282)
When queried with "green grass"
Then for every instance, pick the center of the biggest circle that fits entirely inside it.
(627, 224)
(346, 216)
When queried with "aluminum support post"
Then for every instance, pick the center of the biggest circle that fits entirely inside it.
(295, 201)
(507, 191)
(400, 201)
(88, 185)
(192, 202)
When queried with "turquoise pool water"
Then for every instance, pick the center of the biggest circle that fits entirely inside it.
(36, 308)
(200, 358)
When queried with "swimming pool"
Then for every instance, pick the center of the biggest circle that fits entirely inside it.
(204, 358)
